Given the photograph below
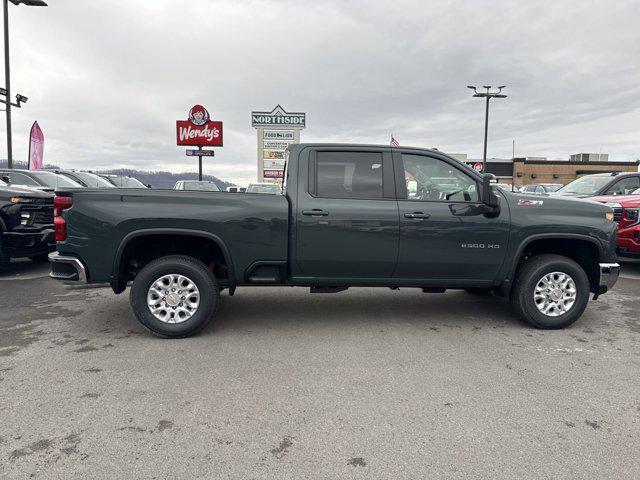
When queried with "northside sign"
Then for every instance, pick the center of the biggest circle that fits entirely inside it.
(278, 117)
(199, 130)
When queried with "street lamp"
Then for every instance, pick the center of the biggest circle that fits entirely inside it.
(7, 73)
(488, 95)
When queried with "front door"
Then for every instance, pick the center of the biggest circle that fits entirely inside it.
(444, 237)
(347, 216)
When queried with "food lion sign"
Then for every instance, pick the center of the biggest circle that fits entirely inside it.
(276, 130)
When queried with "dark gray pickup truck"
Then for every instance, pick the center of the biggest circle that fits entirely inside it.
(349, 215)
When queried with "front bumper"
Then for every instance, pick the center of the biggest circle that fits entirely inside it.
(609, 273)
(26, 243)
(67, 269)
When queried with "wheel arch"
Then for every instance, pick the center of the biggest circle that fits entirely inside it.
(542, 242)
(118, 279)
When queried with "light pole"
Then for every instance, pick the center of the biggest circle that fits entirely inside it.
(488, 95)
(7, 72)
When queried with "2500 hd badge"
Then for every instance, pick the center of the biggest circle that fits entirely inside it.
(479, 245)
(348, 215)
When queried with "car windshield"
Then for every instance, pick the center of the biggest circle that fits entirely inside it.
(585, 185)
(93, 180)
(264, 188)
(127, 182)
(552, 187)
(201, 186)
(54, 180)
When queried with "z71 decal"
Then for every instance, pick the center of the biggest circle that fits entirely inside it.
(530, 203)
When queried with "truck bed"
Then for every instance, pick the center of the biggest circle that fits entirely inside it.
(253, 227)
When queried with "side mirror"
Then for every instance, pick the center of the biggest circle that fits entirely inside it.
(487, 194)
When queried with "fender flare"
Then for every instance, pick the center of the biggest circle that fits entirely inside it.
(118, 285)
(551, 236)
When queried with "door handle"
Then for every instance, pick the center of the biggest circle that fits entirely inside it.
(316, 212)
(419, 215)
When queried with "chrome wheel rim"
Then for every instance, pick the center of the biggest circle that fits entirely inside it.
(173, 298)
(555, 294)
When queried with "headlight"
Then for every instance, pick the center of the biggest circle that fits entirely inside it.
(609, 216)
(21, 200)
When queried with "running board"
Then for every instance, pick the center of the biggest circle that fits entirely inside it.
(327, 289)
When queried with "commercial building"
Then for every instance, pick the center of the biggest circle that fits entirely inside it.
(526, 170)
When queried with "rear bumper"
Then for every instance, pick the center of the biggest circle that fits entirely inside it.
(609, 273)
(67, 269)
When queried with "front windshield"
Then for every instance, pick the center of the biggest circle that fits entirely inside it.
(585, 185)
(201, 186)
(270, 188)
(552, 187)
(54, 180)
(93, 180)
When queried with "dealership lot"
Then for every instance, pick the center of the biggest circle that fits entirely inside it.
(368, 383)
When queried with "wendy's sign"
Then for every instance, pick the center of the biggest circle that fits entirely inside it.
(199, 131)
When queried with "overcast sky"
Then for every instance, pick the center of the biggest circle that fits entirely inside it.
(107, 79)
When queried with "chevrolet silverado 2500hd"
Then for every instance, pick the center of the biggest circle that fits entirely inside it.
(348, 215)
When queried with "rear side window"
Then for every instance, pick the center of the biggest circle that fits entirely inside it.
(624, 186)
(22, 179)
(349, 175)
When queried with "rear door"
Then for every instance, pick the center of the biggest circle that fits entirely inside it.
(444, 238)
(347, 215)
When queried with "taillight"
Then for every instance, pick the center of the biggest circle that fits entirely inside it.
(59, 224)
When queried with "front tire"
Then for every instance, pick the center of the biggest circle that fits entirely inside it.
(550, 291)
(175, 296)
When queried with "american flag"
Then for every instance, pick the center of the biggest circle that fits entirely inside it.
(394, 142)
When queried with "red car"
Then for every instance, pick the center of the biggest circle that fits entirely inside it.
(626, 211)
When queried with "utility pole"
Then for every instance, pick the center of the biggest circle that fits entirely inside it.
(7, 72)
(488, 95)
(7, 81)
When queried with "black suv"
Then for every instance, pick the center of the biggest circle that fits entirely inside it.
(26, 223)
(615, 183)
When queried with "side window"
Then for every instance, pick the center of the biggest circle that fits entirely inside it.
(21, 179)
(431, 179)
(624, 186)
(539, 189)
(349, 175)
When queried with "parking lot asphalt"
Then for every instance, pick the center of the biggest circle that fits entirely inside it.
(368, 383)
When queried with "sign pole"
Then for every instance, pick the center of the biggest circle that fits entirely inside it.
(199, 164)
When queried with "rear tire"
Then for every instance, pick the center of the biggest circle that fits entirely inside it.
(200, 299)
(550, 291)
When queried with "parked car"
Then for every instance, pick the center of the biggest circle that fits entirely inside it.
(201, 186)
(26, 223)
(264, 187)
(86, 179)
(344, 219)
(541, 188)
(124, 181)
(616, 183)
(39, 179)
(626, 211)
